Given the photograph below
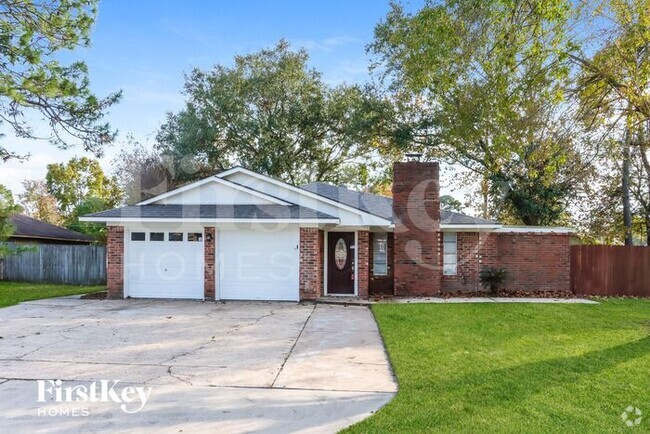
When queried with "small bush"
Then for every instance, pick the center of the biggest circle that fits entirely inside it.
(492, 278)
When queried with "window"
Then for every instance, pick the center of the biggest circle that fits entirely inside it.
(195, 236)
(156, 236)
(449, 254)
(380, 254)
(137, 236)
(176, 236)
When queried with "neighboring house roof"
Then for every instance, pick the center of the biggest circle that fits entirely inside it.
(382, 206)
(234, 212)
(27, 227)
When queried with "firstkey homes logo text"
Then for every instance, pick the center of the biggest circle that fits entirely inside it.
(131, 399)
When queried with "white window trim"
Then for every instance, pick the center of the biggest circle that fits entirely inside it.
(455, 241)
(374, 254)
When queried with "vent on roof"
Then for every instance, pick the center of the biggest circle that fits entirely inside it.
(413, 156)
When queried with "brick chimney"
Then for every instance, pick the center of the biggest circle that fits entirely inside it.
(416, 212)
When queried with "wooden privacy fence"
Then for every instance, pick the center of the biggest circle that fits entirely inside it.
(610, 270)
(57, 263)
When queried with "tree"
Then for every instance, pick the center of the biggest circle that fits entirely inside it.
(38, 203)
(32, 79)
(449, 203)
(274, 115)
(78, 180)
(90, 205)
(142, 173)
(613, 90)
(7, 208)
(482, 84)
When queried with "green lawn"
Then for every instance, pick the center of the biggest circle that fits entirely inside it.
(14, 292)
(515, 367)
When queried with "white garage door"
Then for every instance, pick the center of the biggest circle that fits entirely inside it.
(164, 264)
(255, 265)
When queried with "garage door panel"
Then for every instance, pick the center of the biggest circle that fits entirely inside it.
(165, 269)
(256, 265)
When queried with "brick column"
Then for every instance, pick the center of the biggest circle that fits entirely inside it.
(363, 266)
(416, 210)
(209, 262)
(115, 262)
(311, 263)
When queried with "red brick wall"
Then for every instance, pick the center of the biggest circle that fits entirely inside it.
(381, 284)
(209, 263)
(535, 262)
(466, 278)
(115, 262)
(416, 210)
(363, 266)
(311, 263)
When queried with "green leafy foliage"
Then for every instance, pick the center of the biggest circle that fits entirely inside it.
(89, 205)
(7, 208)
(38, 203)
(492, 278)
(32, 33)
(482, 85)
(450, 203)
(612, 91)
(273, 114)
(79, 179)
(81, 187)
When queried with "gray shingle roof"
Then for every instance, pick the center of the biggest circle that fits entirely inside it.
(214, 211)
(27, 227)
(382, 206)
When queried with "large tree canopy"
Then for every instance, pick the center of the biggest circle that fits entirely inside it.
(32, 32)
(613, 90)
(79, 180)
(273, 114)
(483, 81)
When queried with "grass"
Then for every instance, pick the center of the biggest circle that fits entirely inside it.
(14, 292)
(515, 367)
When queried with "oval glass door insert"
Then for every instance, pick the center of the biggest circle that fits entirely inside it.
(340, 254)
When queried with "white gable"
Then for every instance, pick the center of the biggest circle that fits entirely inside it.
(213, 192)
(348, 216)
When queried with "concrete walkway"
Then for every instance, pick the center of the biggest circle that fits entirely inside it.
(227, 367)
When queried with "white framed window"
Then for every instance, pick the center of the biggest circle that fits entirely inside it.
(380, 254)
(450, 254)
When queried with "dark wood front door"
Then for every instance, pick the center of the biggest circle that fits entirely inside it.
(340, 263)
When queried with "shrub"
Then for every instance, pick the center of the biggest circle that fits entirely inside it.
(492, 278)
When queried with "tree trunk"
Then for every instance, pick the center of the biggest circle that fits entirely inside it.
(647, 229)
(485, 193)
(625, 190)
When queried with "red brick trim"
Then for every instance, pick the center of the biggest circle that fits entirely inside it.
(363, 266)
(115, 262)
(209, 262)
(311, 263)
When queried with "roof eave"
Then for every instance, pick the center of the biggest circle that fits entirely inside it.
(207, 220)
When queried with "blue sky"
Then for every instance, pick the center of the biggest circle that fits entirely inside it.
(144, 47)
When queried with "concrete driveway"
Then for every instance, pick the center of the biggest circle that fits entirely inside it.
(232, 367)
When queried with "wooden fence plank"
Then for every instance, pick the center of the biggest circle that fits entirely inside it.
(57, 263)
(610, 270)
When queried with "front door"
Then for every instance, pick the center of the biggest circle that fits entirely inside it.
(340, 263)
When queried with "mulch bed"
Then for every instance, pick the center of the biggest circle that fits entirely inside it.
(510, 293)
(100, 295)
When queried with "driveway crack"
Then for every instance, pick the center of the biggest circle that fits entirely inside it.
(293, 346)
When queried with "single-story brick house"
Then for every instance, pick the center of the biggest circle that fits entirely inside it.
(239, 235)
